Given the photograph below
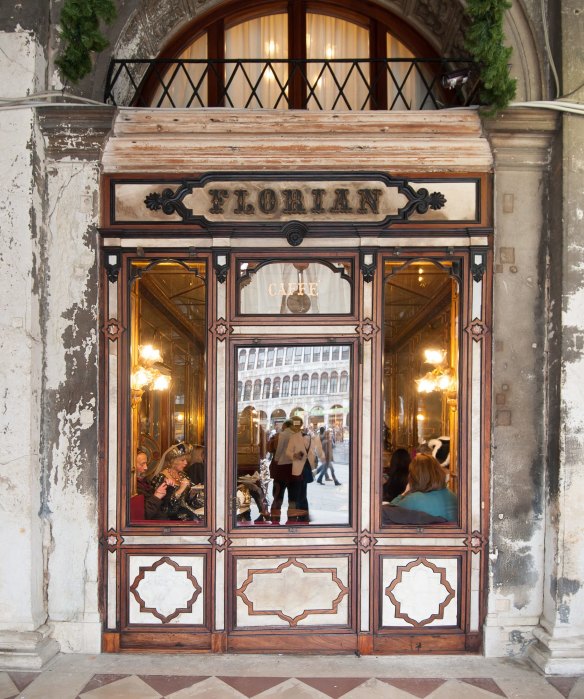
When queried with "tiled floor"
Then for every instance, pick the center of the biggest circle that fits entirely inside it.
(285, 677)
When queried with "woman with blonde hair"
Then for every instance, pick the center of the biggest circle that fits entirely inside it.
(170, 470)
(427, 491)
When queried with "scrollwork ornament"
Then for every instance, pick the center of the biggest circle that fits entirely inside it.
(426, 201)
(169, 201)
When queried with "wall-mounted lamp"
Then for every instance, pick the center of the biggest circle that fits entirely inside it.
(441, 378)
(150, 372)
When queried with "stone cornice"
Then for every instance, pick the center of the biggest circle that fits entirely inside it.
(73, 131)
(522, 137)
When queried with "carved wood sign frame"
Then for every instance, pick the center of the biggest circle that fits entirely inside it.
(251, 203)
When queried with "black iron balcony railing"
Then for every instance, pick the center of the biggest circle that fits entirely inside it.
(317, 84)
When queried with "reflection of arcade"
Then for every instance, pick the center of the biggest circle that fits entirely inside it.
(252, 472)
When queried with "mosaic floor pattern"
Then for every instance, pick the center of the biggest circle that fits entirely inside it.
(68, 683)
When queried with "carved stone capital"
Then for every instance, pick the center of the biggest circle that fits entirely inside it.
(72, 131)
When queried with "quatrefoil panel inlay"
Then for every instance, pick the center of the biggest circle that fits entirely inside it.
(165, 589)
(293, 591)
(421, 593)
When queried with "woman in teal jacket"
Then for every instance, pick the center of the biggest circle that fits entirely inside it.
(427, 491)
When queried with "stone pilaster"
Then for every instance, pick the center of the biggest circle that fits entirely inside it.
(24, 636)
(559, 648)
(521, 140)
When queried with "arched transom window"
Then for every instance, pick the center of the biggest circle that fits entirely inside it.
(295, 55)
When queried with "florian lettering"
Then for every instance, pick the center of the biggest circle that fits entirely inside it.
(295, 202)
(299, 288)
(218, 197)
(369, 197)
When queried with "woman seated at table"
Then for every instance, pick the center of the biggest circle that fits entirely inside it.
(176, 503)
(427, 491)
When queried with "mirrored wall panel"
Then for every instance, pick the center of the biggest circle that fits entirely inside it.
(293, 435)
(420, 392)
(167, 387)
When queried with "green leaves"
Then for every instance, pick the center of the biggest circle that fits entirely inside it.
(484, 40)
(81, 35)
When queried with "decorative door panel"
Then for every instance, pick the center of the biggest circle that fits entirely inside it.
(167, 590)
(292, 591)
(420, 592)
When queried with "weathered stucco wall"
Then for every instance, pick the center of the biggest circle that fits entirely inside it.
(70, 447)
(21, 578)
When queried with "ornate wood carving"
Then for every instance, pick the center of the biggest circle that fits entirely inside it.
(179, 610)
(401, 570)
(292, 621)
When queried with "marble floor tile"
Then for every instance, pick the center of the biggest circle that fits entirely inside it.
(532, 688)
(56, 685)
(210, 688)
(377, 689)
(131, 687)
(7, 687)
(291, 689)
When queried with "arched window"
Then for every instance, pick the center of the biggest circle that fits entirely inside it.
(326, 353)
(296, 55)
(251, 359)
(289, 355)
(242, 359)
(270, 360)
(314, 384)
(324, 383)
(344, 382)
(276, 388)
(239, 390)
(279, 356)
(266, 391)
(286, 387)
(247, 391)
(257, 389)
(261, 358)
(334, 382)
(304, 384)
(335, 354)
(295, 385)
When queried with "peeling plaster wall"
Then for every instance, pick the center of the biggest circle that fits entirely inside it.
(70, 403)
(22, 606)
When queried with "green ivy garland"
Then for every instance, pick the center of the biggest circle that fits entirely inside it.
(81, 35)
(484, 41)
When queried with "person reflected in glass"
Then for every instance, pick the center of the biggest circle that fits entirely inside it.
(176, 504)
(327, 439)
(427, 491)
(152, 496)
(196, 473)
(280, 469)
(303, 448)
(196, 467)
(396, 476)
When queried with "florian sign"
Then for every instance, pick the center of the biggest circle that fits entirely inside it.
(309, 200)
(234, 200)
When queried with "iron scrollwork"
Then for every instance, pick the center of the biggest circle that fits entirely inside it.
(169, 201)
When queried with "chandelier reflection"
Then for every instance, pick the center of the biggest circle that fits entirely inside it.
(150, 372)
(441, 378)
